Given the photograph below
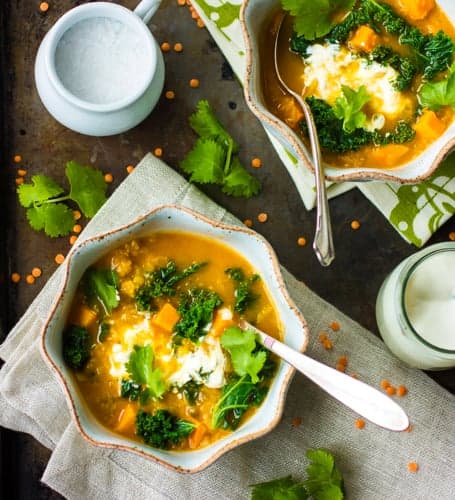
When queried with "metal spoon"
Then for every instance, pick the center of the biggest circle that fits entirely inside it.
(360, 397)
(323, 239)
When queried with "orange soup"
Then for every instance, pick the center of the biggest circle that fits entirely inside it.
(153, 338)
(369, 81)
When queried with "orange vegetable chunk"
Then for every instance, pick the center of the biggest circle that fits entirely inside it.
(84, 316)
(166, 317)
(126, 418)
(195, 438)
(416, 10)
(429, 127)
(364, 39)
(220, 323)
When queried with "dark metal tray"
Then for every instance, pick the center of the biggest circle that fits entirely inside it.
(364, 257)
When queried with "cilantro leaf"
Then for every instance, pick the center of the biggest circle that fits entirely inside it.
(348, 107)
(285, 488)
(56, 219)
(239, 182)
(439, 94)
(324, 480)
(102, 286)
(88, 187)
(140, 369)
(205, 162)
(241, 345)
(42, 188)
(213, 159)
(316, 18)
(206, 125)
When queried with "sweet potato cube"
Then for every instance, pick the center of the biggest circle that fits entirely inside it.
(84, 316)
(290, 111)
(195, 438)
(166, 317)
(364, 39)
(221, 322)
(389, 155)
(126, 419)
(416, 10)
(429, 127)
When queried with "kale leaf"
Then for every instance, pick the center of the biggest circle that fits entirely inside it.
(196, 309)
(161, 283)
(243, 294)
(76, 346)
(162, 429)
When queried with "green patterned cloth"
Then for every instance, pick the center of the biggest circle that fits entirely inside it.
(415, 211)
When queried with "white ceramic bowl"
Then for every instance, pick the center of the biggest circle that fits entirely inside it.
(249, 244)
(254, 16)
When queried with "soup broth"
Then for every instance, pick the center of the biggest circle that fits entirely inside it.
(186, 375)
(328, 66)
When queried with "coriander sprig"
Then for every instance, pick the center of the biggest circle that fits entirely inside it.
(213, 159)
(45, 200)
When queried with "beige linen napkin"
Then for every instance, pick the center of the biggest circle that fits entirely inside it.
(373, 460)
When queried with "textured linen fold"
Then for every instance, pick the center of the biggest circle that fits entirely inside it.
(372, 460)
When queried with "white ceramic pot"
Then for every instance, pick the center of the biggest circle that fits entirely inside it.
(106, 118)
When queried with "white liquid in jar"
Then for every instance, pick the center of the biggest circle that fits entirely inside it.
(101, 60)
(429, 300)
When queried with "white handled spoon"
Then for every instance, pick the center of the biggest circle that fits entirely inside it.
(367, 401)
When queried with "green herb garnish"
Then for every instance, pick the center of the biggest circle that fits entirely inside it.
(243, 294)
(348, 107)
(45, 202)
(140, 369)
(213, 159)
(101, 287)
(436, 95)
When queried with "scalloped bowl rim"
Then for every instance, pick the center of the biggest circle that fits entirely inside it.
(408, 173)
(270, 411)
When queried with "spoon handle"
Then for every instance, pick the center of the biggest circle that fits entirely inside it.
(360, 397)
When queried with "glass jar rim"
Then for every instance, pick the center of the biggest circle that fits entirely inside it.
(405, 277)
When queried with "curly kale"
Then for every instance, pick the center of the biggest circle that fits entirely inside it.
(244, 297)
(334, 138)
(196, 309)
(403, 65)
(161, 283)
(76, 346)
(162, 429)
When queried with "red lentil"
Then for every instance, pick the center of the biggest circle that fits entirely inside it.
(402, 391)
(21, 172)
(256, 163)
(413, 467)
(178, 47)
(20, 180)
(262, 217)
(296, 422)
(301, 241)
(452, 236)
(248, 222)
(334, 325)
(43, 6)
(194, 83)
(73, 239)
(385, 383)
(30, 279)
(355, 224)
(129, 168)
(158, 152)
(15, 277)
(391, 391)
(59, 258)
(360, 423)
(108, 178)
(165, 46)
(170, 94)
(17, 158)
(76, 215)
(77, 228)
(36, 272)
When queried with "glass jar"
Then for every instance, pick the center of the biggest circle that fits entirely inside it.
(415, 308)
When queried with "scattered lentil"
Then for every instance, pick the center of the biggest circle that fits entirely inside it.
(20, 180)
(296, 422)
(256, 163)
(30, 279)
(402, 391)
(108, 178)
(181, 2)
(170, 94)
(165, 46)
(248, 222)
(15, 277)
(328, 344)
(343, 360)
(200, 23)
(59, 258)
(413, 467)
(334, 325)
(391, 391)
(21, 172)
(178, 47)
(129, 168)
(158, 152)
(385, 383)
(301, 241)
(340, 367)
(36, 272)
(355, 224)
(262, 217)
(43, 6)
(452, 236)
(360, 423)
(77, 228)
(354, 375)
(194, 83)
(17, 158)
(73, 239)
(322, 337)
(76, 215)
